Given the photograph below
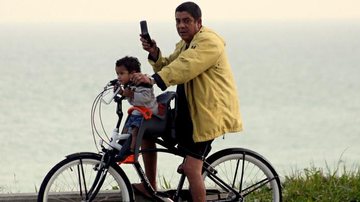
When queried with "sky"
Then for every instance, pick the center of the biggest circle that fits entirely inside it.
(163, 10)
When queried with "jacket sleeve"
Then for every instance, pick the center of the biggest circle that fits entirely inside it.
(164, 61)
(203, 52)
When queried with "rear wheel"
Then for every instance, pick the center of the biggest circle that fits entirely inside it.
(72, 179)
(246, 176)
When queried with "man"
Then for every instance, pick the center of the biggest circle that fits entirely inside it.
(208, 104)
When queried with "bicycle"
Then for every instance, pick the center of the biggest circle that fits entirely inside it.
(232, 174)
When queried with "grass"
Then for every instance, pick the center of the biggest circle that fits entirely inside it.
(340, 184)
(13, 188)
(318, 184)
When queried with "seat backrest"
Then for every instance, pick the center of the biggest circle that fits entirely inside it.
(165, 99)
(158, 124)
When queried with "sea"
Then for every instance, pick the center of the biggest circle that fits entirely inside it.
(298, 84)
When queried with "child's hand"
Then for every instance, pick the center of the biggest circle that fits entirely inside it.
(121, 91)
(127, 92)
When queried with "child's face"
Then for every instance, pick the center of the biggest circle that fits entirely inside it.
(123, 74)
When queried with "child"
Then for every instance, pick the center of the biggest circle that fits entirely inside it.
(141, 96)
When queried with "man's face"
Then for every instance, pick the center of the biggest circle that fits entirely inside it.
(186, 25)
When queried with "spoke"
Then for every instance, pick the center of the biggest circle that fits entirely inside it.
(235, 175)
(241, 176)
(79, 179)
(219, 182)
(256, 186)
(242, 171)
(83, 176)
(226, 188)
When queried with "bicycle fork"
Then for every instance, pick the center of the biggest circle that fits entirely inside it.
(102, 169)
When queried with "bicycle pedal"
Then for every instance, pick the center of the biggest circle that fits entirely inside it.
(164, 196)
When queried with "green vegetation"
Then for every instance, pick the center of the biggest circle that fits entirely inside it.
(317, 184)
(313, 184)
(165, 184)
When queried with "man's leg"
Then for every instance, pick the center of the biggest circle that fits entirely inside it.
(192, 168)
(150, 161)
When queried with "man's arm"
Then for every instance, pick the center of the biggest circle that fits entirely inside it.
(200, 56)
(162, 61)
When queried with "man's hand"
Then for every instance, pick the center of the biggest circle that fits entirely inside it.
(153, 50)
(138, 78)
(127, 92)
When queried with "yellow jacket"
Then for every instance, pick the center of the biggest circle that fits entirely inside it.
(209, 84)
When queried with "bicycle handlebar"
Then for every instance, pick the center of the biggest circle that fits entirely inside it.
(113, 82)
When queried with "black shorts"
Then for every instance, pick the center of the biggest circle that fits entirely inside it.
(198, 150)
(184, 129)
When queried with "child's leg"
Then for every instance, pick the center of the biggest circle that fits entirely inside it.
(124, 131)
(134, 132)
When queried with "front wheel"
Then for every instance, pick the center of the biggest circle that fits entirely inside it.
(240, 175)
(72, 179)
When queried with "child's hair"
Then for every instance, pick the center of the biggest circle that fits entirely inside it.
(132, 64)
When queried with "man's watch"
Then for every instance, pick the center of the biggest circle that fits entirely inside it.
(152, 80)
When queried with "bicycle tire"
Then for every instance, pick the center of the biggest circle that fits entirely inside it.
(62, 181)
(246, 172)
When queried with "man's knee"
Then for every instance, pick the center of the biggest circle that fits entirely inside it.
(189, 172)
(148, 144)
(192, 167)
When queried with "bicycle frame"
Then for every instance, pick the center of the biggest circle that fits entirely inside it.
(168, 148)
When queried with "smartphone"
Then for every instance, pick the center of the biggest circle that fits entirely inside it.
(145, 32)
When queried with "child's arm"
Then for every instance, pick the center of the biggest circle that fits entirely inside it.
(142, 96)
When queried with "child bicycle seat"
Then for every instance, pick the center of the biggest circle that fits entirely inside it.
(161, 124)
(145, 112)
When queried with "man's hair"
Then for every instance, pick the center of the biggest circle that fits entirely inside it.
(192, 8)
(132, 64)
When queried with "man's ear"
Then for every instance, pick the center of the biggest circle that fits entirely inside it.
(199, 22)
